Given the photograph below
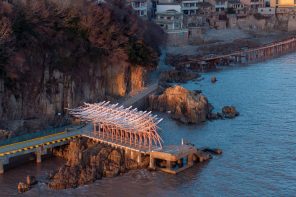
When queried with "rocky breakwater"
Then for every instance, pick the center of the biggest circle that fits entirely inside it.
(183, 105)
(88, 161)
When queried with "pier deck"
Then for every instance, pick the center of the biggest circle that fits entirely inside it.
(174, 155)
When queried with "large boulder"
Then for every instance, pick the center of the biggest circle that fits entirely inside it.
(184, 105)
(88, 161)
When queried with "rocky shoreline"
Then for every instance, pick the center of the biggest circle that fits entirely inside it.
(188, 107)
(183, 105)
(88, 161)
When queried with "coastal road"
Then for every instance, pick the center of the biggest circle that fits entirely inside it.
(140, 95)
(153, 80)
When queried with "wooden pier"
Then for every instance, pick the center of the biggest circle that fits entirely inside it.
(245, 56)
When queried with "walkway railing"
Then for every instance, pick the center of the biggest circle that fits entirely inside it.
(36, 134)
(141, 94)
(124, 143)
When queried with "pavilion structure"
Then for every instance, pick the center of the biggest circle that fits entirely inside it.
(119, 126)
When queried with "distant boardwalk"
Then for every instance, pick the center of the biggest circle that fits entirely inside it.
(245, 56)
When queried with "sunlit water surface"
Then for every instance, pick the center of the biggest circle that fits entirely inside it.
(259, 146)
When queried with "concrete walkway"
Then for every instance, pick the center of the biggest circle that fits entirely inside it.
(140, 95)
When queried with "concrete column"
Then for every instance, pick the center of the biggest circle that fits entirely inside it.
(38, 155)
(152, 163)
(132, 154)
(168, 165)
(127, 152)
(1, 167)
(190, 159)
(139, 158)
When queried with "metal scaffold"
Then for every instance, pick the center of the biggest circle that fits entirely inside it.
(120, 125)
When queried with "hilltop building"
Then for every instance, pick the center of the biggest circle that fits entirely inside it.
(253, 4)
(190, 7)
(143, 8)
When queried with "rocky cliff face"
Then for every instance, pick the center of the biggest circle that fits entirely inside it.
(38, 102)
(56, 55)
(184, 105)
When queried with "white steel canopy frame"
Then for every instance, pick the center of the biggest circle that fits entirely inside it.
(133, 128)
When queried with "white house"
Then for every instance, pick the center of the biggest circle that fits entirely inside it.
(141, 7)
(190, 7)
(169, 20)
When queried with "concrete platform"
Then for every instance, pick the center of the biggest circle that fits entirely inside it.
(173, 155)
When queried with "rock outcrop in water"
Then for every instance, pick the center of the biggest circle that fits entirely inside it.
(57, 54)
(22, 187)
(229, 112)
(184, 105)
(88, 161)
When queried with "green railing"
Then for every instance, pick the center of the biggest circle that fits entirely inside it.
(36, 134)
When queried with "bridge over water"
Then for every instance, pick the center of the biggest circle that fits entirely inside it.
(40, 142)
(125, 128)
(113, 124)
(134, 131)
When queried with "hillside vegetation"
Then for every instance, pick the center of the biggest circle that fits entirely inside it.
(56, 54)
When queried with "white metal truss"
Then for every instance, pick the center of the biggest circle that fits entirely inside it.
(121, 125)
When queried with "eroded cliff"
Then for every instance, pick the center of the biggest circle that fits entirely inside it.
(56, 55)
